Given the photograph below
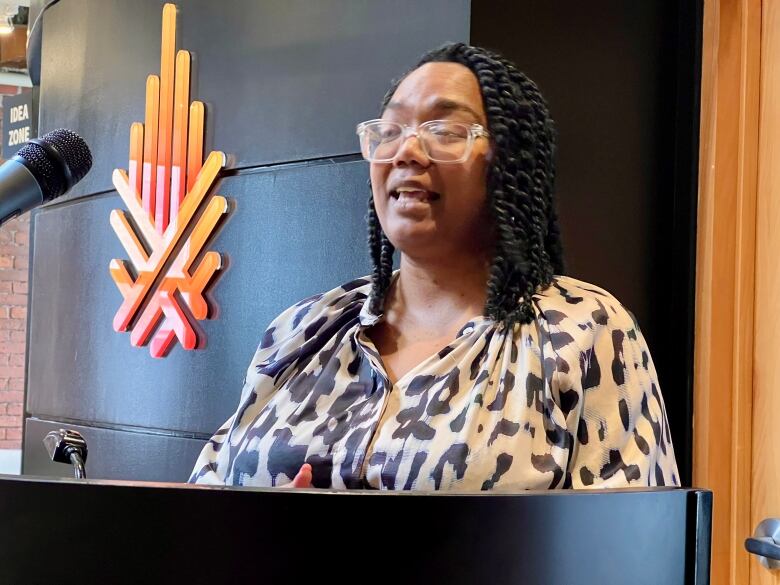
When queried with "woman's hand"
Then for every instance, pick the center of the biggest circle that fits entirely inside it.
(302, 480)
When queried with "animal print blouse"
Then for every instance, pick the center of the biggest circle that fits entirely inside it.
(570, 400)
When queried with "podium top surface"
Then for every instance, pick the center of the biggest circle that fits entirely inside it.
(177, 486)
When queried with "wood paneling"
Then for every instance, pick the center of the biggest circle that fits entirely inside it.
(725, 276)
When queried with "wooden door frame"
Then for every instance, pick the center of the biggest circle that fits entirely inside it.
(725, 280)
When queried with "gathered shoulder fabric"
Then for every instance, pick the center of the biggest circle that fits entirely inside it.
(570, 400)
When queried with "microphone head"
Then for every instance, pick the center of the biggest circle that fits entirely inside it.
(58, 160)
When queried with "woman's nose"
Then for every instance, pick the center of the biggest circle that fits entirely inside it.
(410, 151)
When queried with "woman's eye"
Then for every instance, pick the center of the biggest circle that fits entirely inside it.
(442, 131)
(447, 137)
(386, 133)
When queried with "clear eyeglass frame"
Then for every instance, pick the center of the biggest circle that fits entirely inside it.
(473, 131)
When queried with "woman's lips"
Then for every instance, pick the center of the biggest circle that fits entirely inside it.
(415, 204)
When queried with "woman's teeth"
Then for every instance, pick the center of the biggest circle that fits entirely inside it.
(414, 195)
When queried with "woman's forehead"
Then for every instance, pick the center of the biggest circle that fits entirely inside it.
(445, 87)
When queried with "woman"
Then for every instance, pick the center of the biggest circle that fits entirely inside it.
(473, 367)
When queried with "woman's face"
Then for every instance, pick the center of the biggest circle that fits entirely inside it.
(445, 213)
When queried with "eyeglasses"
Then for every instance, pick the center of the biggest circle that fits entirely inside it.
(442, 141)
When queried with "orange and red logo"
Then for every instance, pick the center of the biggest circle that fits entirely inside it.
(166, 185)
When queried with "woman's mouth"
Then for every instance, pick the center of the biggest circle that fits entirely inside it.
(411, 196)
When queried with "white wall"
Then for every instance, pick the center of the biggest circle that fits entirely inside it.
(10, 461)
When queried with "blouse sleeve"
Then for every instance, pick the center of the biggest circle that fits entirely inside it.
(296, 333)
(622, 437)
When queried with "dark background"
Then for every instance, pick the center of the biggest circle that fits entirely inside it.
(622, 83)
(284, 85)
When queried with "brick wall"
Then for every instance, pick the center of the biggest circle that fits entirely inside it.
(14, 253)
(14, 249)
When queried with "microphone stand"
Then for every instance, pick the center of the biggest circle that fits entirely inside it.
(68, 446)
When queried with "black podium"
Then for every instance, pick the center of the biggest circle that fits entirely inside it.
(70, 531)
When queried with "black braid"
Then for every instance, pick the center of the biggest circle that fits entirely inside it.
(381, 256)
(520, 185)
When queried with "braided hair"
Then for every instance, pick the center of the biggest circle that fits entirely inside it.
(520, 184)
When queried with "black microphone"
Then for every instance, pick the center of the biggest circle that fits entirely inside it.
(43, 169)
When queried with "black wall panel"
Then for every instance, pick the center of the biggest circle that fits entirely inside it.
(294, 231)
(284, 84)
(282, 80)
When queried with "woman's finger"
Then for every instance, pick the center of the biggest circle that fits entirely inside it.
(302, 479)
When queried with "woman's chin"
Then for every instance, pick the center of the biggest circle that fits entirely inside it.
(416, 241)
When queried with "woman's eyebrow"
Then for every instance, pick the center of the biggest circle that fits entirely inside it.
(449, 105)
